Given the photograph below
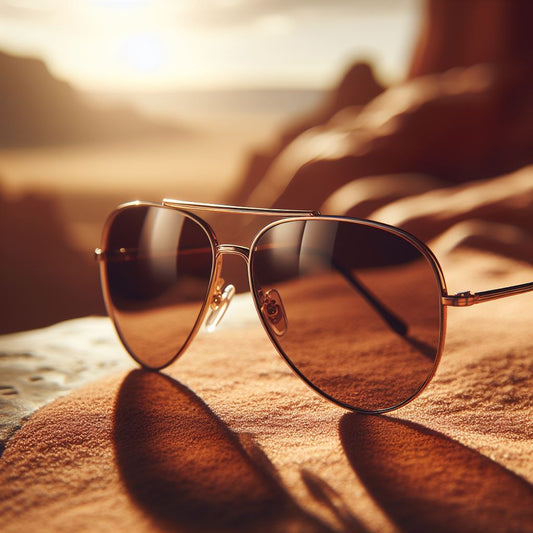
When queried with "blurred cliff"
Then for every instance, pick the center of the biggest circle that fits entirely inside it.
(38, 109)
(465, 112)
(44, 278)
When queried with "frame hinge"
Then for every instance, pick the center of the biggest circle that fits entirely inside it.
(461, 299)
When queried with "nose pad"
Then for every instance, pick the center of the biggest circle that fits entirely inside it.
(274, 312)
(219, 305)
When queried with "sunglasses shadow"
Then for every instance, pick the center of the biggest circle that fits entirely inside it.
(426, 481)
(187, 470)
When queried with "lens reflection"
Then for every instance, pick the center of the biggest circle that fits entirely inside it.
(362, 308)
(158, 265)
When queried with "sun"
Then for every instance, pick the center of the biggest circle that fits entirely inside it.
(144, 53)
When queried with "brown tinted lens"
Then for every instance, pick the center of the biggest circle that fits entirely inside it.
(355, 308)
(157, 270)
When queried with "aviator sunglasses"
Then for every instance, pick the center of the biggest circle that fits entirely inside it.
(355, 307)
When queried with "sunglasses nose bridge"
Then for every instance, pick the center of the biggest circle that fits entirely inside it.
(234, 249)
(221, 296)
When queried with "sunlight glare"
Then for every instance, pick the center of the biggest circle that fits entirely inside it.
(144, 53)
(117, 3)
(275, 24)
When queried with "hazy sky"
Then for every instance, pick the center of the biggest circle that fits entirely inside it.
(168, 44)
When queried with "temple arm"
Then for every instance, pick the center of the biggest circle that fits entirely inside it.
(463, 299)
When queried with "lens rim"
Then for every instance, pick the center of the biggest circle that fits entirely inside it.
(414, 241)
(216, 265)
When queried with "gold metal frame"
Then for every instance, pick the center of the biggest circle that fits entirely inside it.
(464, 299)
(422, 248)
(461, 299)
(179, 204)
(216, 267)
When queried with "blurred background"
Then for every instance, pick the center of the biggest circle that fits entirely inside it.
(258, 102)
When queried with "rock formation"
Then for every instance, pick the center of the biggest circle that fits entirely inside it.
(464, 113)
(36, 108)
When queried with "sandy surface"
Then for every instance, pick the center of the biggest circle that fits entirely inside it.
(229, 439)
